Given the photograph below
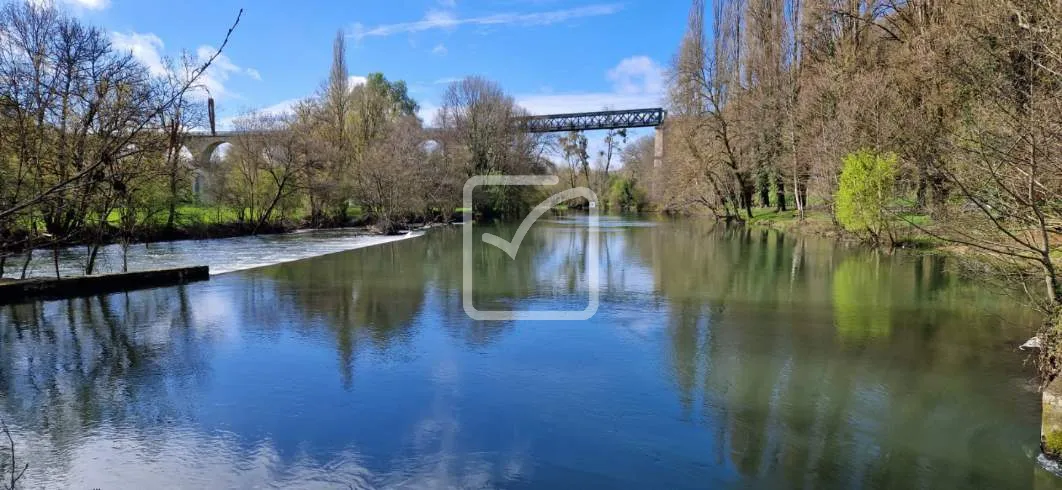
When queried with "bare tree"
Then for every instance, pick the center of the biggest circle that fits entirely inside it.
(614, 141)
(574, 148)
(479, 137)
(10, 476)
(177, 121)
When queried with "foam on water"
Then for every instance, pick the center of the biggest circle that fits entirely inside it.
(222, 255)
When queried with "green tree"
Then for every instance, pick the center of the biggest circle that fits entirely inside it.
(865, 192)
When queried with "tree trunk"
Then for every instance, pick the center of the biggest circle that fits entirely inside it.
(765, 189)
(923, 185)
(940, 193)
(90, 265)
(748, 190)
(171, 215)
(25, 265)
(779, 188)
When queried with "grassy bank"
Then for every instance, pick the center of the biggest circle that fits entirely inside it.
(819, 222)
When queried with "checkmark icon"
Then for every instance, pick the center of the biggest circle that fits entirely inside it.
(590, 253)
(513, 247)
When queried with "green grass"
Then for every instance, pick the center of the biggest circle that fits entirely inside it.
(186, 214)
(771, 217)
(1052, 443)
(913, 219)
(211, 215)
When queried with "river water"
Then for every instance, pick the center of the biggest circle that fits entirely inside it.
(719, 358)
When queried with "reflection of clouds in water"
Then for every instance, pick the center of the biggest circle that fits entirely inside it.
(439, 460)
(215, 312)
(643, 328)
(122, 458)
(113, 457)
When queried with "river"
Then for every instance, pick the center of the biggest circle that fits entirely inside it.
(718, 358)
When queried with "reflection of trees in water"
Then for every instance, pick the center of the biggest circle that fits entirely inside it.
(760, 328)
(370, 295)
(550, 268)
(547, 255)
(129, 360)
(861, 299)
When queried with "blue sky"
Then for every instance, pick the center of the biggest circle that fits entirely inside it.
(552, 55)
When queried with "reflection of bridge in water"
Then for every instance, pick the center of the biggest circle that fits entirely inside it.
(202, 145)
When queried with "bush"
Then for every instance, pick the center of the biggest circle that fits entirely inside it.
(865, 191)
(624, 194)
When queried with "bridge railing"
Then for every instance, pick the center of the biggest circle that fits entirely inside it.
(588, 121)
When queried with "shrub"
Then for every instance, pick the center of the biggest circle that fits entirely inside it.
(865, 191)
(624, 194)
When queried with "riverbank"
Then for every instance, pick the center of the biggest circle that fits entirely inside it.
(205, 231)
(820, 223)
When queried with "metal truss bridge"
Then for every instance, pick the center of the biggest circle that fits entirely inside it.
(588, 121)
(202, 144)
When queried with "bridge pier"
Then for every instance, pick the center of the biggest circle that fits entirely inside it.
(658, 147)
(658, 161)
(202, 148)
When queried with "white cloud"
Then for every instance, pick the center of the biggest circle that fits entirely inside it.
(542, 104)
(82, 4)
(439, 50)
(281, 108)
(637, 83)
(90, 4)
(637, 75)
(447, 20)
(427, 114)
(148, 49)
(145, 48)
(218, 73)
(442, 18)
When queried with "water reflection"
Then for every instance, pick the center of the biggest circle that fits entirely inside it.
(721, 356)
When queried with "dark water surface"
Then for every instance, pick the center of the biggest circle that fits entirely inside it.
(718, 359)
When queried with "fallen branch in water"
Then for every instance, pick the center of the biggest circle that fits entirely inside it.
(14, 478)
